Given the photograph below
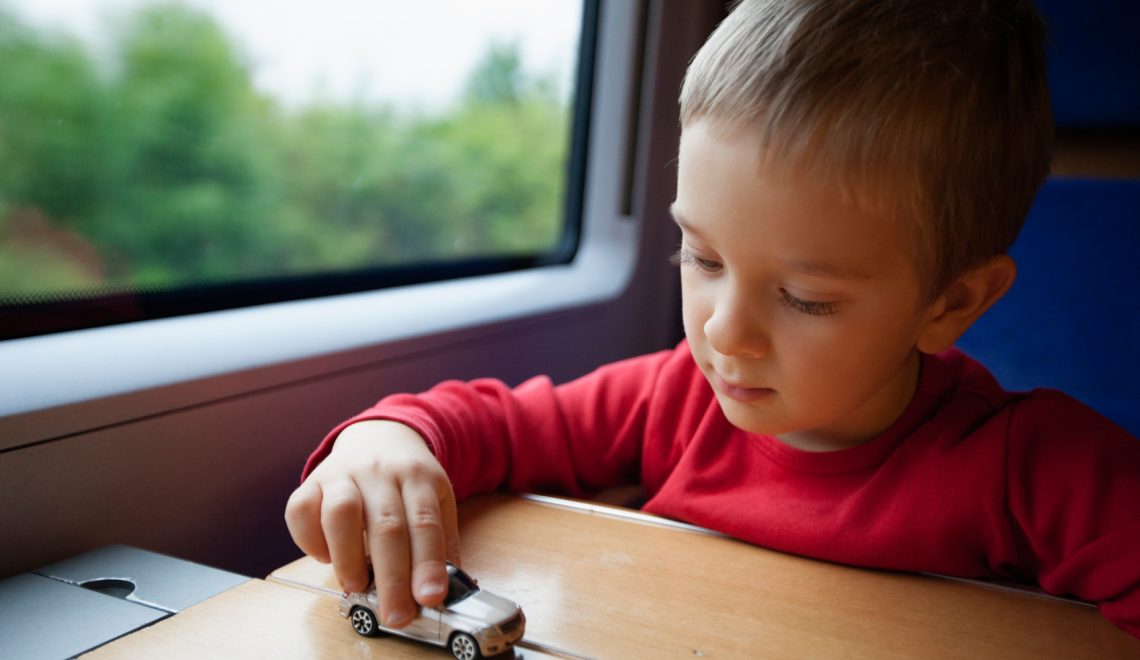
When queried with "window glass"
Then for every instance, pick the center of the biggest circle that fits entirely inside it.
(245, 150)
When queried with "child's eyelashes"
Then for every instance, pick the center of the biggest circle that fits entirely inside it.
(812, 307)
(683, 257)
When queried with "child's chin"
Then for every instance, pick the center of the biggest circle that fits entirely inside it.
(750, 421)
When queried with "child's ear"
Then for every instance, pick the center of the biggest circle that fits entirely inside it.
(964, 301)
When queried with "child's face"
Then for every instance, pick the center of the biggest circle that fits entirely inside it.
(801, 309)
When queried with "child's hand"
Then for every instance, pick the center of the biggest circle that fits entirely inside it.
(380, 483)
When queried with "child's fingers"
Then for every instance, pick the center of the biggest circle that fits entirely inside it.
(388, 541)
(426, 537)
(342, 523)
(450, 514)
(303, 518)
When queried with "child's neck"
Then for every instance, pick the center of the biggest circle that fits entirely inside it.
(876, 415)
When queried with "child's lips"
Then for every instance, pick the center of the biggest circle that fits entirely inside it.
(740, 393)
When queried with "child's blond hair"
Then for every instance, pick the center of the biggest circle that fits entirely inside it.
(929, 109)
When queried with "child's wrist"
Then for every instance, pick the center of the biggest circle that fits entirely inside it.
(371, 433)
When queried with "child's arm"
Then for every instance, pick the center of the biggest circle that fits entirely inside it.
(1074, 494)
(380, 480)
(573, 439)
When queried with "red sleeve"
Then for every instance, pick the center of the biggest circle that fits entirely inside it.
(574, 439)
(1075, 496)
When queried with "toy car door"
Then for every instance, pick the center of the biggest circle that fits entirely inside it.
(426, 625)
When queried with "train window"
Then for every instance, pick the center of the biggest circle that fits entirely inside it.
(160, 159)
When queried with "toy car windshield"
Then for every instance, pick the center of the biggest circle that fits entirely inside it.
(459, 586)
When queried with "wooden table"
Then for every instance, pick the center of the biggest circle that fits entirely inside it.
(602, 582)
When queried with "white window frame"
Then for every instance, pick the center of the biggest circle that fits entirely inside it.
(51, 385)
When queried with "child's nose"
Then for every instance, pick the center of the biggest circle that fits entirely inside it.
(734, 328)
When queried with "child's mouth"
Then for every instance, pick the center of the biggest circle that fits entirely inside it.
(739, 392)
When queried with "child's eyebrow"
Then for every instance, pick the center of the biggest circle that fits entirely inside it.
(825, 269)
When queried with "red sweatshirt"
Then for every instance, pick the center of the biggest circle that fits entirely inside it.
(970, 481)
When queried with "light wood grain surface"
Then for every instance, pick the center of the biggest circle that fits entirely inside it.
(596, 584)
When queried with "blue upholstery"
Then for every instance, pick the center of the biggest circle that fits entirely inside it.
(1072, 319)
(1094, 62)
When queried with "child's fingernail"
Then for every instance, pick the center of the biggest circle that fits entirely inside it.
(429, 589)
(398, 617)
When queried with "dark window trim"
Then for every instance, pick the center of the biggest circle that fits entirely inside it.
(20, 317)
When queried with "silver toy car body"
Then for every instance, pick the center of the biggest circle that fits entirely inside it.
(471, 622)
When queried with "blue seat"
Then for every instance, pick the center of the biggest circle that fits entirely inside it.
(1093, 54)
(1071, 321)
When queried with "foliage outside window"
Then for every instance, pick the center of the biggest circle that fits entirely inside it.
(153, 162)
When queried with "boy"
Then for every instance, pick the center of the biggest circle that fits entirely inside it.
(851, 174)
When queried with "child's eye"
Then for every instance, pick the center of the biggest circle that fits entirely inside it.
(685, 258)
(811, 307)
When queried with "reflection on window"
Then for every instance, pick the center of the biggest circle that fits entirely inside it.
(155, 146)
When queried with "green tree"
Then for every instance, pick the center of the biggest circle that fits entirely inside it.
(482, 178)
(193, 186)
(51, 109)
(517, 129)
(498, 78)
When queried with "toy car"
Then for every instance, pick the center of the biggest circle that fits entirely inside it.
(471, 622)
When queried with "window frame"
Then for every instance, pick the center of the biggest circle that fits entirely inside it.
(65, 383)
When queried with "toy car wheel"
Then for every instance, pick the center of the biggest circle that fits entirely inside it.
(463, 647)
(363, 621)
